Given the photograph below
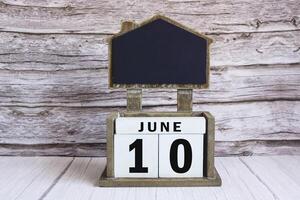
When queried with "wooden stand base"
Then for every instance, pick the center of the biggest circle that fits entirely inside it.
(159, 182)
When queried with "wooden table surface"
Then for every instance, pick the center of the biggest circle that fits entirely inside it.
(273, 177)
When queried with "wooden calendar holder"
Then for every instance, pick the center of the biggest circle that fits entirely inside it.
(133, 54)
(184, 109)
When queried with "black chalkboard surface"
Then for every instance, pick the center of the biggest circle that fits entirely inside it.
(159, 53)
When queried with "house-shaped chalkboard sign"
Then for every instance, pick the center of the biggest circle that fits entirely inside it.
(159, 53)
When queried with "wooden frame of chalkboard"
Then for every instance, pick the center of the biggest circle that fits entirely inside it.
(174, 86)
(210, 178)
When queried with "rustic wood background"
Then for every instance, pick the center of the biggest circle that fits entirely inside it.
(54, 95)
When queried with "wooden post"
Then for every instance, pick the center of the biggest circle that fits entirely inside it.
(184, 100)
(134, 100)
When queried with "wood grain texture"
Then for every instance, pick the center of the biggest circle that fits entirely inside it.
(234, 122)
(53, 52)
(88, 87)
(29, 178)
(54, 95)
(241, 180)
(54, 149)
(104, 16)
(276, 178)
(78, 181)
(50, 178)
(222, 148)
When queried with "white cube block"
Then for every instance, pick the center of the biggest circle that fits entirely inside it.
(158, 125)
(181, 155)
(136, 156)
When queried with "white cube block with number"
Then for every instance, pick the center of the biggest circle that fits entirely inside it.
(181, 155)
(136, 155)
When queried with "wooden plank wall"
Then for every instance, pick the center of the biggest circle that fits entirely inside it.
(54, 95)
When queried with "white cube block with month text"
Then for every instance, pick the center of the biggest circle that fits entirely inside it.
(157, 125)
